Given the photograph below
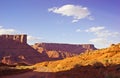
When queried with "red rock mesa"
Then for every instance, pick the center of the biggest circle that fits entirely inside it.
(14, 49)
(59, 51)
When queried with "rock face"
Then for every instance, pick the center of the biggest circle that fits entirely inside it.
(56, 50)
(14, 49)
(72, 48)
(17, 38)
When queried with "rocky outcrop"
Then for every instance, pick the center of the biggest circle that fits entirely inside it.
(114, 47)
(14, 49)
(17, 38)
(72, 48)
(60, 51)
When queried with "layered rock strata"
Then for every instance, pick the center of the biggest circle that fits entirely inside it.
(57, 50)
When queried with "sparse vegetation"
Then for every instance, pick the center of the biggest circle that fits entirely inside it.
(77, 66)
(98, 65)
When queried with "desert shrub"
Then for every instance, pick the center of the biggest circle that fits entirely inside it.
(106, 62)
(77, 65)
(45, 65)
(97, 65)
(112, 44)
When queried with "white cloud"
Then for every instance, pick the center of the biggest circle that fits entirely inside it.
(100, 31)
(74, 21)
(78, 30)
(95, 29)
(32, 40)
(103, 36)
(7, 31)
(75, 11)
(98, 40)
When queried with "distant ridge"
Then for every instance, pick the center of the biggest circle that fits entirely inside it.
(14, 49)
(61, 50)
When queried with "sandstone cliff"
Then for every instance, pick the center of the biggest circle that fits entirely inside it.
(14, 49)
(17, 38)
(57, 50)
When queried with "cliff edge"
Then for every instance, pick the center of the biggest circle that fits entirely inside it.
(60, 51)
(14, 49)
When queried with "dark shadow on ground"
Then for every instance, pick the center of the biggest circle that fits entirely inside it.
(99, 71)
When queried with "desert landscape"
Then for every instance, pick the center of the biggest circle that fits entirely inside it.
(55, 60)
(59, 39)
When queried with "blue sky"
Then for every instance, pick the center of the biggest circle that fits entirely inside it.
(62, 21)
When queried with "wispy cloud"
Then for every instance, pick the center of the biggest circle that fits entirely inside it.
(100, 31)
(7, 31)
(100, 42)
(95, 29)
(32, 39)
(78, 30)
(103, 36)
(75, 11)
